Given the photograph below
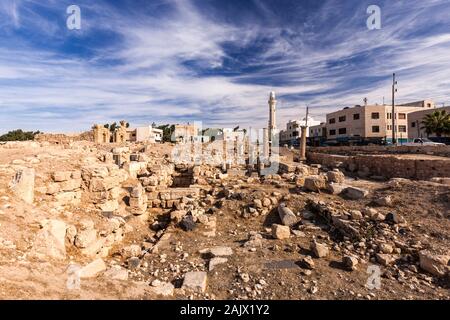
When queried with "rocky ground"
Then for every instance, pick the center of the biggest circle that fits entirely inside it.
(73, 225)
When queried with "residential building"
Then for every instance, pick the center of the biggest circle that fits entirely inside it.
(372, 123)
(318, 134)
(415, 126)
(293, 130)
(233, 135)
(148, 133)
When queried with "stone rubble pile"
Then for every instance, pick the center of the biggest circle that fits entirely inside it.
(104, 185)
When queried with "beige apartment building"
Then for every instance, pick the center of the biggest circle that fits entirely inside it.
(415, 127)
(372, 122)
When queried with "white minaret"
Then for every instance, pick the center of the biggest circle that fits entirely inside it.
(272, 113)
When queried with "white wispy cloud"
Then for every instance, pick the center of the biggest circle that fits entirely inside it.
(45, 88)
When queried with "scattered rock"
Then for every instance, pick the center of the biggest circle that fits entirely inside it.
(335, 188)
(116, 273)
(164, 289)
(320, 250)
(335, 176)
(350, 262)
(195, 281)
(384, 201)
(133, 263)
(133, 250)
(385, 259)
(307, 262)
(221, 251)
(386, 248)
(395, 218)
(188, 223)
(354, 193)
(93, 269)
(435, 264)
(288, 218)
(315, 183)
(356, 215)
(216, 261)
(50, 240)
(280, 232)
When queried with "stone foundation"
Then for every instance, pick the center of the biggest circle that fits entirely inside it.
(387, 166)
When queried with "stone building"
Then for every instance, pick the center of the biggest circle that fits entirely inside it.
(121, 134)
(185, 132)
(101, 134)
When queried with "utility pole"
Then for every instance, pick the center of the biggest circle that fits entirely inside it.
(303, 137)
(307, 114)
(394, 90)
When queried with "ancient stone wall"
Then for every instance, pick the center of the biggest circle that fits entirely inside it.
(385, 166)
(63, 138)
(443, 151)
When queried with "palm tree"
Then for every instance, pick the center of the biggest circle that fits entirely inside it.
(437, 122)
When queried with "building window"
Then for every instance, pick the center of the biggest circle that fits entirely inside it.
(401, 128)
(402, 116)
(413, 124)
(375, 115)
(342, 130)
(341, 118)
(389, 127)
(295, 133)
(332, 120)
(389, 115)
(332, 132)
(356, 116)
(375, 129)
(428, 105)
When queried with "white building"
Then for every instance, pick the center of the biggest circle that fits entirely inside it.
(293, 131)
(232, 135)
(149, 134)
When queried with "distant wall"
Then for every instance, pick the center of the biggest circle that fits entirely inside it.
(63, 138)
(388, 166)
(443, 151)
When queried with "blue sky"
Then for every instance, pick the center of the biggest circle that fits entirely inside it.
(215, 61)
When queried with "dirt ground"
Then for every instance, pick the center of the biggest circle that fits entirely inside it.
(271, 269)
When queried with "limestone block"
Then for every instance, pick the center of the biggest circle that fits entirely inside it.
(23, 184)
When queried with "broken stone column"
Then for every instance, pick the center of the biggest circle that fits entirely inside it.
(23, 184)
(138, 200)
(265, 144)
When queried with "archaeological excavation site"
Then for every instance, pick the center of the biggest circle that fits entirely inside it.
(83, 219)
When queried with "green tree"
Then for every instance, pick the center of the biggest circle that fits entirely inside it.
(168, 130)
(19, 135)
(113, 126)
(437, 122)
